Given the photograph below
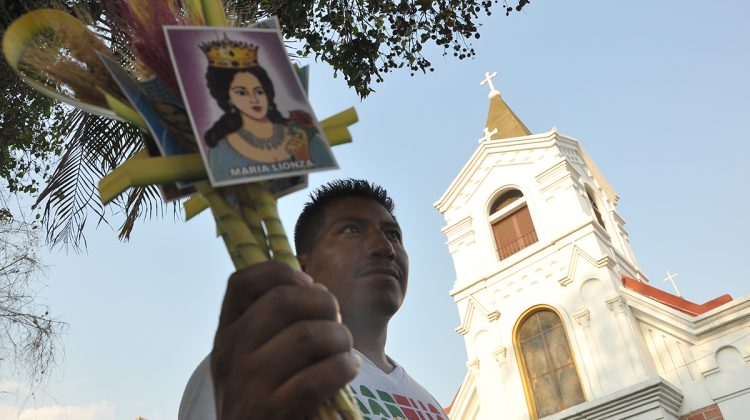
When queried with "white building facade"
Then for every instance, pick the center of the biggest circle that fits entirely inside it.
(557, 318)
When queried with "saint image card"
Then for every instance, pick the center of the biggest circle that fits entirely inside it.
(248, 108)
(167, 120)
(164, 114)
(165, 117)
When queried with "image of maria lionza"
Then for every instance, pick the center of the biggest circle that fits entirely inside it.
(252, 131)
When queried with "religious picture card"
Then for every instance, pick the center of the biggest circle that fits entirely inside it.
(173, 135)
(165, 117)
(248, 109)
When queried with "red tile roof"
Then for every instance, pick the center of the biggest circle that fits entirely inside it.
(675, 302)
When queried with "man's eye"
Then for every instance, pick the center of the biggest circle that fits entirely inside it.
(351, 229)
(394, 234)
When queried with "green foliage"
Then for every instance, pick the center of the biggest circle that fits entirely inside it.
(364, 39)
(29, 133)
(29, 136)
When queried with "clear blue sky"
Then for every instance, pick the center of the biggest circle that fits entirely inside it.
(657, 92)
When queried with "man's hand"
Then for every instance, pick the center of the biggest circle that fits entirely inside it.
(279, 351)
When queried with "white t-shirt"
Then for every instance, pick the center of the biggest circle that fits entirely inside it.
(380, 395)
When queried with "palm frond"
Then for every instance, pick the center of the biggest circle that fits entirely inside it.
(95, 147)
(142, 202)
(69, 192)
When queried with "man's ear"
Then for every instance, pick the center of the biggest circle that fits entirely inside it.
(302, 259)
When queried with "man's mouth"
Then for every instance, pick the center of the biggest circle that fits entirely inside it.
(386, 271)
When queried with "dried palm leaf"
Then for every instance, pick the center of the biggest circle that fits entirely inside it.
(57, 55)
(142, 20)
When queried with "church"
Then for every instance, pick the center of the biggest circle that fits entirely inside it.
(558, 320)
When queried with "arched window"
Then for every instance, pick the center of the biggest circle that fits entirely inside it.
(511, 223)
(546, 362)
(597, 213)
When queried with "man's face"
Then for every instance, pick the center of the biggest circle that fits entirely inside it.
(359, 256)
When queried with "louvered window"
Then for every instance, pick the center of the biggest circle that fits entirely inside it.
(511, 223)
(546, 361)
(597, 213)
(514, 232)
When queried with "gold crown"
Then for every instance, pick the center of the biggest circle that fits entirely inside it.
(229, 54)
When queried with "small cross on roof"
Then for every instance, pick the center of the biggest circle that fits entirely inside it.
(670, 278)
(488, 80)
(488, 134)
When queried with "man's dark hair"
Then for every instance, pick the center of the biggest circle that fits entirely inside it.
(309, 221)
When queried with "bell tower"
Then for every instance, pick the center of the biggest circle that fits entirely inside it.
(540, 252)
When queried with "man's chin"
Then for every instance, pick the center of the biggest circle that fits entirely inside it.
(387, 305)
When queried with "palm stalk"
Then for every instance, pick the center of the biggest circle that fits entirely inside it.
(231, 223)
(265, 204)
(251, 217)
(237, 259)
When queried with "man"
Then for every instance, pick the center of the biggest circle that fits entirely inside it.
(287, 340)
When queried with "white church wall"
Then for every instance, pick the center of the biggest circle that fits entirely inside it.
(460, 245)
(730, 385)
(603, 346)
(598, 327)
(489, 376)
(671, 355)
(707, 356)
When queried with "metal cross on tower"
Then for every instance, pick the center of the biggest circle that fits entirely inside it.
(488, 80)
(670, 278)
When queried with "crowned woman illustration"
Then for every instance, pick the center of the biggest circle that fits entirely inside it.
(252, 130)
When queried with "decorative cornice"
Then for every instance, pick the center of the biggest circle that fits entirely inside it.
(461, 330)
(652, 398)
(571, 154)
(500, 354)
(493, 316)
(473, 366)
(577, 254)
(458, 230)
(472, 307)
(560, 170)
(616, 304)
(583, 317)
(617, 218)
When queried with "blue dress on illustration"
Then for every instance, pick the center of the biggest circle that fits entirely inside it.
(222, 159)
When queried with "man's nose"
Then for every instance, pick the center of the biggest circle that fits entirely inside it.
(381, 246)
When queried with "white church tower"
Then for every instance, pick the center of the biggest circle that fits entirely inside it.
(557, 318)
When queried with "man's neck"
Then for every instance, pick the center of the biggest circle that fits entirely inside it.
(371, 343)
